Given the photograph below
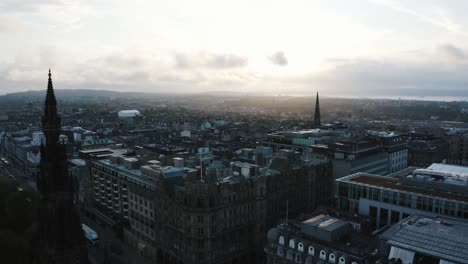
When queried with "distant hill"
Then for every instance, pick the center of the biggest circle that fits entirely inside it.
(67, 94)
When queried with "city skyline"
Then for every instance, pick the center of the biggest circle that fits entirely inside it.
(375, 48)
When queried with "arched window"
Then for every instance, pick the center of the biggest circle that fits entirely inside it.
(323, 254)
(332, 258)
(300, 247)
(292, 243)
(311, 251)
(281, 240)
(342, 260)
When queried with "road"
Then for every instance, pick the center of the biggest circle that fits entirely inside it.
(27, 183)
(97, 253)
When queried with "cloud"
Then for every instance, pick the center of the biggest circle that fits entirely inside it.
(368, 77)
(28, 5)
(452, 52)
(278, 58)
(56, 14)
(209, 61)
(440, 18)
(125, 70)
(9, 24)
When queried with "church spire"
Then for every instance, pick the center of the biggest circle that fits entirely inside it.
(317, 122)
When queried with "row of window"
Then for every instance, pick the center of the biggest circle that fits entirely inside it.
(298, 257)
(310, 251)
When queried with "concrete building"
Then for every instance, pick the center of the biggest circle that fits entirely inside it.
(437, 190)
(423, 239)
(349, 157)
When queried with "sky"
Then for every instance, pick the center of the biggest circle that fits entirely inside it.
(295, 47)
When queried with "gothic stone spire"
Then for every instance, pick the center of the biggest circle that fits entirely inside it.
(317, 122)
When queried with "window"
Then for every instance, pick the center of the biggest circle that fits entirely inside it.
(292, 243)
(323, 255)
(332, 258)
(342, 260)
(300, 247)
(281, 240)
(311, 251)
(200, 219)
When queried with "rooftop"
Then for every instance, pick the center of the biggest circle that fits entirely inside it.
(442, 237)
(395, 184)
(324, 222)
(449, 168)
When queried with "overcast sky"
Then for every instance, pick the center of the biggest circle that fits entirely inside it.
(359, 47)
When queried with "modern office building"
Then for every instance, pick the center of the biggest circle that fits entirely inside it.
(354, 156)
(438, 190)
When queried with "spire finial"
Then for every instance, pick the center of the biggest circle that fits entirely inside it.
(317, 122)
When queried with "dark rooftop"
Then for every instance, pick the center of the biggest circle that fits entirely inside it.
(393, 183)
(445, 238)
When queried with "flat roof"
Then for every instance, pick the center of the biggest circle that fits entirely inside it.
(442, 237)
(78, 162)
(449, 168)
(393, 183)
(325, 222)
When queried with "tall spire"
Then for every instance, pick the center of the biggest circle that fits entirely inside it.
(51, 123)
(59, 238)
(50, 98)
(317, 122)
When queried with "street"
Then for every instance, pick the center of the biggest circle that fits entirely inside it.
(25, 182)
(97, 252)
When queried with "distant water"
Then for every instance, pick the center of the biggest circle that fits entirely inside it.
(422, 98)
(395, 97)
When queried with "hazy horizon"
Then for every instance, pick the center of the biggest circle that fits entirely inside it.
(374, 48)
(233, 94)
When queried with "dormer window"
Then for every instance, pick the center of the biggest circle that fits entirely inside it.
(342, 260)
(323, 255)
(311, 251)
(281, 240)
(300, 247)
(292, 243)
(332, 258)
